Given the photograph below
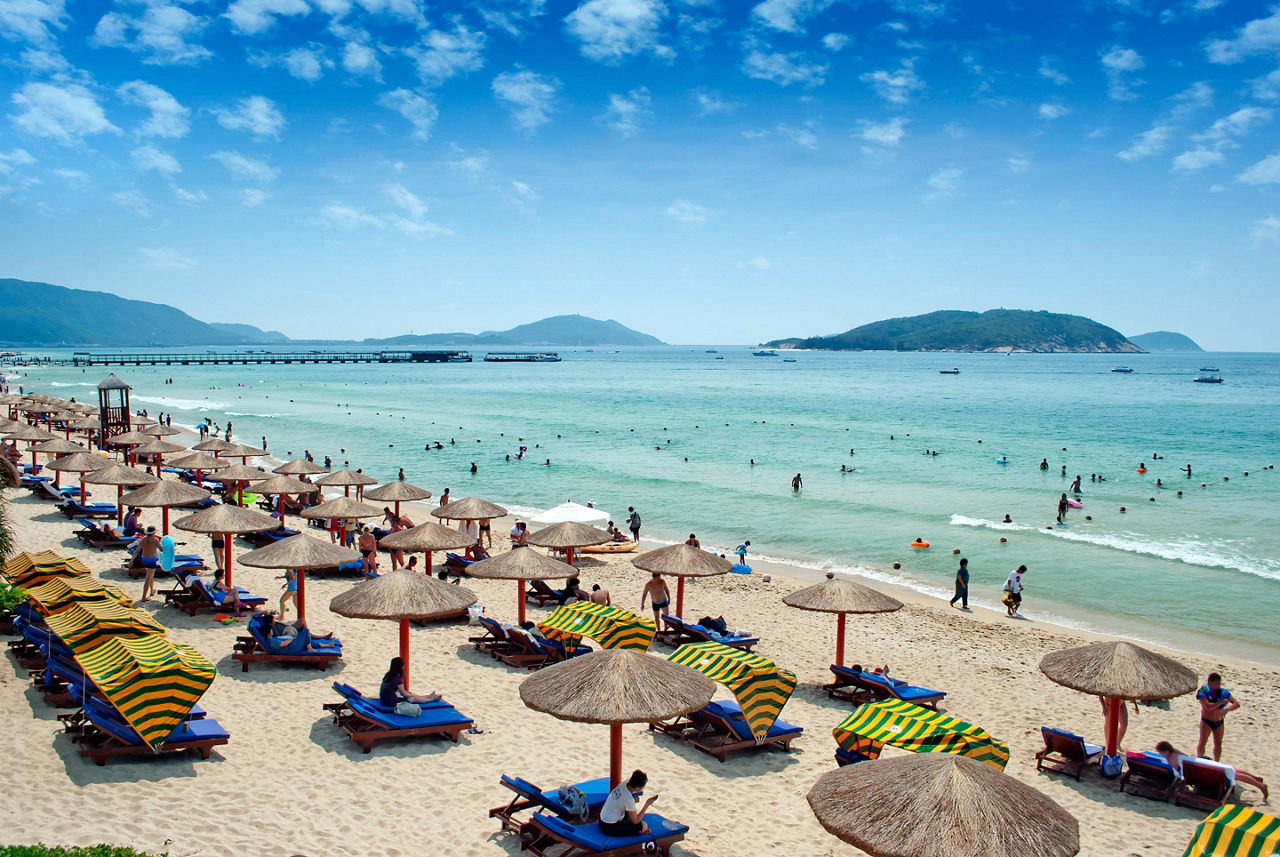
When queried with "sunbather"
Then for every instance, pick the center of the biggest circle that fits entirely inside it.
(1234, 775)
(620, 816)
(392, 691)
(230, 595)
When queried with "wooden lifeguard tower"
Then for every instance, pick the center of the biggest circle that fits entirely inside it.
(113, 409)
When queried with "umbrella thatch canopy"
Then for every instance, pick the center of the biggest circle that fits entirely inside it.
(214, 445)
(940, 805)
(240, 473)
(242, 452)
(30, 433)
(282, 485)
(300, 552)
(227, 521)
(299, 467)
(78, 462)
(428, 536)
(158, 447)
(86, 423)
(469, 509)
(402, 595)
(841, 597)
(342, 508)
(131, 438)
(569, 535)
(682, 561)
(398, 492)
(164, 494)
(521, 564)
(1117, 671)
(198, 461)
(122, 477)
(58, 446)
(163, 431)
(616, 686)
(345, 477)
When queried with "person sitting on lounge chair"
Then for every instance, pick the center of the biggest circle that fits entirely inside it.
(109, 531)
(231, 598)
(392, 690)
(1234, 775)
(131, 525)
(476, 552)
(620, 816)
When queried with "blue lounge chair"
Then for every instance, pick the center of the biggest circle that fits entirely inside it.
(186, 563)
(676, 632)
(586, 840)
(719, 728)
(1150, 775)
(106, 735)
(347, 692)
(96, 536)
(366, 720)
(557, 650)
(303, 649)
(529, 796)
(849, 757)
(204, 598)
(1065, 752)
(73, 508)
(523, 650)
(862, 687)
(493, 638)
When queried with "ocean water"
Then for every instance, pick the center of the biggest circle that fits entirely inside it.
(672, 432)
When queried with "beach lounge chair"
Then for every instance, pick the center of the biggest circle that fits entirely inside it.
(493, 638)
(859, 687)
(43, 487)
(74, 722)
(1065, 752)
(1149, 775)
(96, 536)
(557, 651)
(73, 508)
(528, 796)
(366, 721)
(303, 649)
(203, 598)
(268, 537)
(545, 832)
(106, 735)
(676, 632)
(186, 562)
(849, 757)
(523, 650)
(1204, 785)
(719, 728)
(541, 594)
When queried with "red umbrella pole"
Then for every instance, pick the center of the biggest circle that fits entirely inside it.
(397, 508)
(301, 577)
(615, 754)
(679, 597)
(82, 491)
(33, 458)
(57, 479)
(404, 650)
(226, 556)
(280, 507)
(164, 519)
(1114, 707)
(428, 568)
(840, 640)
(119, 505)
(520, 595)
(346, 492)
(568, 556)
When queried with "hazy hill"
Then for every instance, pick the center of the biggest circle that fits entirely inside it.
(956, 330)
(557, 330)
(1164, 340)
(40, 314)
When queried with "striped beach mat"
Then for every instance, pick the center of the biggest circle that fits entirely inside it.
(760, 686)
(919, 730)
(611, 627)
(82, 624)
(61, 591)
(32, 569)
(152, 682)
(1235, 831)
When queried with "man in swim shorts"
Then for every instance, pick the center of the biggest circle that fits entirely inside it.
(368, 551)
(656, 591)
(1215, 701)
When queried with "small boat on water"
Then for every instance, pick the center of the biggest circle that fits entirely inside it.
(764, 353)
(1208, 368)
(711, 351)
(788, 360)
(522, 357)
(948, 371)
(1123, 370)
(1207, 379)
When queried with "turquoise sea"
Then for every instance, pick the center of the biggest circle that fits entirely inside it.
(1199, 571)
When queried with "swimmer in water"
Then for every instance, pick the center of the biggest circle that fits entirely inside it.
(1188, 469)
(1044, 464)
(1007, 520)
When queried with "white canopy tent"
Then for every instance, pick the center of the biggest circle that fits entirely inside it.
(572, 512)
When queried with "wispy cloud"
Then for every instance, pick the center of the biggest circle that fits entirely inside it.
(1119, 63)
(710, 102)
(1259, 36)
(625, 113)
(802, 135)
(1265, 231)
(1050, 71)
(306, 62)
(1051, 111)
(896, 86)
(32, 21)
(167, 117)
(252, 197)
(529, 97)
(254, 17)
(256, 115)
(1150, 142)
(788, 16)
(444, 54)
(66, 114)
(611, 31)
(417, 110)
(244, 167)
(944, 184)
(166, 259)
(836, 42)
(133, 202)
(1197, 159)
(150, 158)
(886, 135)
(685, 211)
(784, 69)
(161, 33)
(1265, 171)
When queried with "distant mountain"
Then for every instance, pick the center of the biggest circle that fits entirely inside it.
(249, 333)
(40, 314)
(559, 330)
(956, 330)
(1163, 340)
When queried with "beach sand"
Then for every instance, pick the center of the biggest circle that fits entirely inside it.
(290, 782)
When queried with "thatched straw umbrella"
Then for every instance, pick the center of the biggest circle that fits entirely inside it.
(122, 477)
(940, 805)
(841, 597)
(397, 492)
(158, 448)
(569, 535)
(200, 462)
(1118, 671)
(159, 431)
(81, 463)
(345, 479)
(402, 595)
(343, 509)
(278, 486)
(57, 446)
(214, 444)
(164, 494)
(682, 561)
(226, 521)
(469, 509)
(239, 476)
(616, 686)
(242, 452)
(31, 434)
(299, 467)
(521, 564)
(300, 553)
(426, 537)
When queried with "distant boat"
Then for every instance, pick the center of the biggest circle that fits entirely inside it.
(1123, 370)
(788, 360)
(711, 351)
(764, 353)
(721, 357)
(948, 371)
(1208, 368)
(1207, 379)
(522, 357)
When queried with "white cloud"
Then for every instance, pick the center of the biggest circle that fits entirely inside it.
(305, 63)
(801, 135)
(254, 17)
(349, 217)
(784, 69)
(252, 197)
(75, 178)
(1266, 171)
(788, 16)
(20, 157)
(1265, 231)
(407, 200)
(1237, 124)
(887, 134)
(151, 158)
(444, 54)
(624, 113)
(257, 115)
(1018, 164)
(189, 196)
(32, 21)
(1259, 36)
(943, 184)
(1197, 159)
(613, 30)
(1118, 63)
(168, 118)
(417, 110)
(133, 202)
(63, 113)
(511, 16)
(1148, 143)
(1052, 111)
(361, 60)
(528, 96)
(1050, 71)
(759, 263)
(244, 167)
(835, 42)
(710, 103)
(162, 34)
(167, 259)
(1195, 97)
(523, 192)
(686, 212)
(1267, 88)
(898, 86)
(471, 163)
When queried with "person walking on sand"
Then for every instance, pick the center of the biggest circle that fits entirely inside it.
(796, 482)
(1215, 701)
(1013, 590)
(368, 552)
(633, 521)
(656, 592)
(1062, 507)
(962, 585)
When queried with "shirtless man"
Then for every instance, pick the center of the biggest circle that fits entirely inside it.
(600, 596)
(148, 549)
(368, 551)
(692, 541)
(1215, 701)
(656, 591)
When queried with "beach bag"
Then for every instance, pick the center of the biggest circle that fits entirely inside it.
(474, 612)
(408, 709)
(574, 801)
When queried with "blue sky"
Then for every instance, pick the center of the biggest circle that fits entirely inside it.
(703, 170)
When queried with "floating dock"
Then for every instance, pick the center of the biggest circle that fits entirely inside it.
(259, 358)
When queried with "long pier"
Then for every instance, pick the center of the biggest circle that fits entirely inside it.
(246, 358)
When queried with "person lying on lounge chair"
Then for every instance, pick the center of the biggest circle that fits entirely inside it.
(283, 635)
(620, 816)
(1175, 759)
(392, 690)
